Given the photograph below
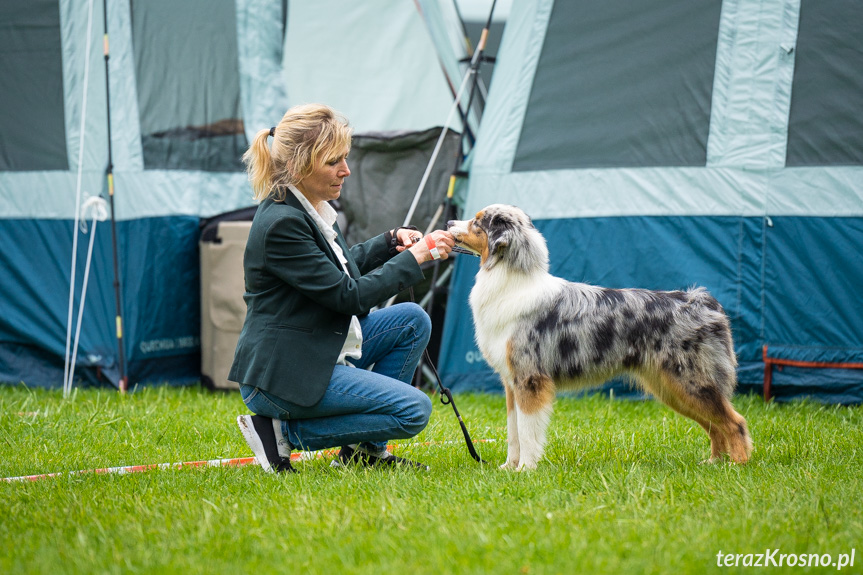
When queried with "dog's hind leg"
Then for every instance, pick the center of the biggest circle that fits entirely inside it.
(717, 439)
(534, 396)
(718, 445)
(663, 389)
(728, 430)
(704, 403)
(736, 432)
(512, 446)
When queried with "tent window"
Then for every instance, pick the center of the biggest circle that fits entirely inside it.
(622, 84)
(825, 126)
(32, 126)
(187, 71)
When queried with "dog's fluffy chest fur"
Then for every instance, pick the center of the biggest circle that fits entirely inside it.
(499, 301)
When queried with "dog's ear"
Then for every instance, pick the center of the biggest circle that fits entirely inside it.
(500, 235)
(496, 251)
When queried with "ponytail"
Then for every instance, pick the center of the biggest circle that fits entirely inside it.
(259, 165)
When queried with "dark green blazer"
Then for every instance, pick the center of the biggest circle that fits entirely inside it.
(299, 301)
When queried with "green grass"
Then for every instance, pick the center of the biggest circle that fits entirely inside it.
(620, 491)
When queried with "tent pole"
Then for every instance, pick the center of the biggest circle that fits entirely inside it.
(472, 71)
(469, 46)
(478, 56)
(475, 62)
(123, 383)
(447, 205)
(69, 366)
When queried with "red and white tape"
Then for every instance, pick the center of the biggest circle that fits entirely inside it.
(233, 462)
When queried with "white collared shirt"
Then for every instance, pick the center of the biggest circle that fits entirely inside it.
(325, 219)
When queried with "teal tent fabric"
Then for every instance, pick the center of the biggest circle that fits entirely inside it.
(825, 126)
(737, 170)
(33, 135)
(605, 75)
(187, 72)
(190, 83)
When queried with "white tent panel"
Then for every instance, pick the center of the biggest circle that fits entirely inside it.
(375, 63)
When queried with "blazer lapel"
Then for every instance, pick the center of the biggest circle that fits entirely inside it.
(353, 269)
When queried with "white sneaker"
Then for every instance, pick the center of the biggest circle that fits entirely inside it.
(259, 434)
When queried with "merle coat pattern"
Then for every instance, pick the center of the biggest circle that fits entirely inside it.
(542, 334)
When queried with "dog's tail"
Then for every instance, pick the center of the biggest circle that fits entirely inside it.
(701, 297)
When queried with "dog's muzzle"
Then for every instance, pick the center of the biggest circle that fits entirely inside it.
(458, 249)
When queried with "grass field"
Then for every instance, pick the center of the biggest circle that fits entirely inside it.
(620, 491)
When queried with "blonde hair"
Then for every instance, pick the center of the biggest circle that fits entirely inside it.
(306, 136)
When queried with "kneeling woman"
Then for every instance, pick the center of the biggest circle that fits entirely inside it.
(308, 340)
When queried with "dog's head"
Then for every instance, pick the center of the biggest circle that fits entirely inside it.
(501, 233)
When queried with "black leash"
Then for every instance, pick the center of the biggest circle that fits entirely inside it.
(445, 393)
(446, 397)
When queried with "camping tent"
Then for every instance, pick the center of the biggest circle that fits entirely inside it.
(667, 143)
(191, 81)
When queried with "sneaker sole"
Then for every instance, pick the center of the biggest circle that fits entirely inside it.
(247, 428)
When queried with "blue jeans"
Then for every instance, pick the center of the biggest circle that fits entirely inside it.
(362, 405)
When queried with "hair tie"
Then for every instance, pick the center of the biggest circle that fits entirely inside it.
(273, 132)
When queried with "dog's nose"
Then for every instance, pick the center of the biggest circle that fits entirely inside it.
(450, 224)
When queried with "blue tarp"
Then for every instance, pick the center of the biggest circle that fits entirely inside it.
(160, 278)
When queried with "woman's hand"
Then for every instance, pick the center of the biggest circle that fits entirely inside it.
(407, 238)
(439, 243)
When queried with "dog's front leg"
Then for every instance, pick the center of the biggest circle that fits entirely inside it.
(534, 396)
(512, 446)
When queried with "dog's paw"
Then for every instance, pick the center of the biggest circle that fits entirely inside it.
(526, 467)
(711, 461)
(510, 465)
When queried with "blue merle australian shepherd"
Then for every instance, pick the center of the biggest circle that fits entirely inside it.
(541, 333)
